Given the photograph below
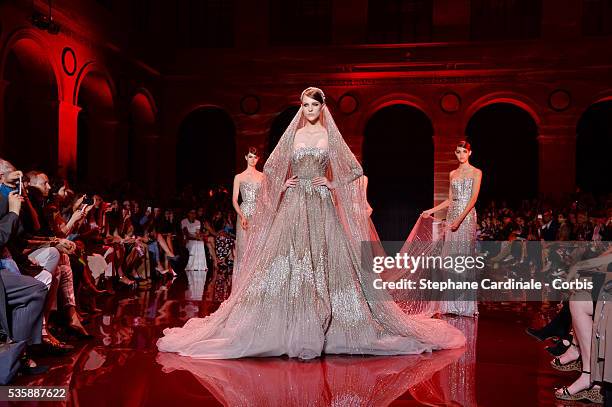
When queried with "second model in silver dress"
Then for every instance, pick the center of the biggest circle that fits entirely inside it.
(248, 193)
(460, 242)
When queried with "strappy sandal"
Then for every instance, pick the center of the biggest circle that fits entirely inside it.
(569, 366)
(592, 394)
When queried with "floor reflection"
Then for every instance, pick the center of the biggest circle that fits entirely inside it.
(197, 282)
(458, 382)
(121, 365)
(331, 381)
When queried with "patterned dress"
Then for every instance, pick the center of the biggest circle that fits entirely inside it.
(224, 243)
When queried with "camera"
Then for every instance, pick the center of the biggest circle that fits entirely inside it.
(19, 185)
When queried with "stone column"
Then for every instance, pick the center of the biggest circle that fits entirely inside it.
(67, 138)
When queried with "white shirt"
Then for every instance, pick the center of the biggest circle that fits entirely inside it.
(192, 228)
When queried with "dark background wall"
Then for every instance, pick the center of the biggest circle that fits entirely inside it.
(162, 94)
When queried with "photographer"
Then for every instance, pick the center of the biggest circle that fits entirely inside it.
(25, 296)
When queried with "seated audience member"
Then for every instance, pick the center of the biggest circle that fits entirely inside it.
(25, 295)
(34, 255)
(44, 214)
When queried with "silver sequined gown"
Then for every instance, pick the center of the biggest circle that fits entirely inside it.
(304, 297)
(460, 242)
(248, 193)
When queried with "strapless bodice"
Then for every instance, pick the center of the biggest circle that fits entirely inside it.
(309, 162)
(248, 192)
(462, 189)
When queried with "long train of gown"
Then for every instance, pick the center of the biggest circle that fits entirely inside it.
(305, 297)
(460, 243)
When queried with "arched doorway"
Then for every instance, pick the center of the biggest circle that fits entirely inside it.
(30, 108)
(206, 149)
(398, 160)
(97, 152)
(505, 147)
(142, 144)
(279, 125)
(593, 146)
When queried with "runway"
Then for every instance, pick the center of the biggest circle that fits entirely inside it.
(502, 366)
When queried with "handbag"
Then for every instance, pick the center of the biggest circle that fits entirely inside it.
(10, 351)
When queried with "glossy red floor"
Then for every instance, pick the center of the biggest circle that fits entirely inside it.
(502, 366)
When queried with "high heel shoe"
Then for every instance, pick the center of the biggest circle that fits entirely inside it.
(53, 346)
(592, 393)
(30, 368)
(569, 366)
(126, 282)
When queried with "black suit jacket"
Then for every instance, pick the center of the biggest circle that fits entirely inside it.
(550, 233)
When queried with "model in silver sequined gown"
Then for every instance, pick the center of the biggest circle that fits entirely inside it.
(248, 193)
(304, 297)
(460, 242)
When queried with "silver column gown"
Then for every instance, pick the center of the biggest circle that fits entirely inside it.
(248, 193)
(461, 242)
